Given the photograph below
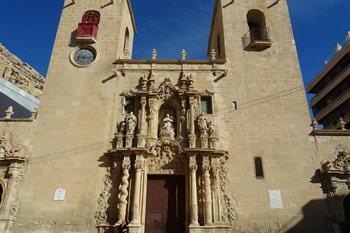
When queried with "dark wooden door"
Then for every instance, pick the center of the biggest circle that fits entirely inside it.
(165, 212)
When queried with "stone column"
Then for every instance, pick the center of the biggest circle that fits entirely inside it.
(152, 119)
(193, 194)
(192, 135)
(208, 217)
(215, 167)
(123, 191)
(135, 205)
(141, 137)
(10, 205)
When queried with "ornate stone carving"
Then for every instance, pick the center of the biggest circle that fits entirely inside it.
(341, 162)
(102, 201)
(9, 148)
(166, 90)
(16, 172)
(166, 158)
(123, 191)
(229, 207)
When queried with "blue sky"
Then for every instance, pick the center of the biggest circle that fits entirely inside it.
(28, 29)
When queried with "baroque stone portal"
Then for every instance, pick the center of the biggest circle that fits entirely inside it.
(166, 134)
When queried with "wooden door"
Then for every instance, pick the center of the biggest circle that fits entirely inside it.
(165, 211)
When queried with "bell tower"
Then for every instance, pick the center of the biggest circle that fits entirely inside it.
(78, 110)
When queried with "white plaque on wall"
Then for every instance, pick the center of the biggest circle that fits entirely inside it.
(59, 194)
(275, 199)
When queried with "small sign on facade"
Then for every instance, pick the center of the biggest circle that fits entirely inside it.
(59, 194)
(275, 199)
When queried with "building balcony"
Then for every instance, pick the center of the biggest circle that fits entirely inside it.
(87, 33)
(332, 106)
(341, 58)
(336, 81)
(257, 39)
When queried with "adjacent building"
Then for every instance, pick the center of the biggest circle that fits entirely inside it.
(331, 89)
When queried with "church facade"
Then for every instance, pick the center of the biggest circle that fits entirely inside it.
(212, 146)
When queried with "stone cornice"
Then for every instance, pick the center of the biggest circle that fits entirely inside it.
(320, 132)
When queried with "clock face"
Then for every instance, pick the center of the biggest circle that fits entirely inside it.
(84, 56)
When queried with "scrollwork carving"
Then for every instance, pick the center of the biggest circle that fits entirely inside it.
(341, 162)
(166, 90)
(102, 202)
(229, 206)
(166, 158)
(9, 148)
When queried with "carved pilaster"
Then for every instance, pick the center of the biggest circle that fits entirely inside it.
(123, 191)
(141, 139)
(152, 119)
(135, 206)
(204, 141)
(215, 168)
(193, 185)
(11, 205)
(119, 140)
(128, 141)
(102, 201)
(208, 219)
(192, 135)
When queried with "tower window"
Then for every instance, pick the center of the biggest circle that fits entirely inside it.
(258, 34)
(206, 105)
(126, 42)
(259, 170)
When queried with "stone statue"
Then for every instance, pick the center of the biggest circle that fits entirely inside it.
(121, 128)
(130, 123)
(211, 129)
(167, 129)
(202, 125)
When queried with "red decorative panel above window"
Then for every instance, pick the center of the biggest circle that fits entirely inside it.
(88, 28)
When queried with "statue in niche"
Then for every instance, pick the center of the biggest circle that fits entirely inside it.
(122, 128)
(130, 123)
(211, 129)
(167, 130)
(202, 125)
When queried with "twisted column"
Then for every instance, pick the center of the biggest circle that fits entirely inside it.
(123, 191)
(193, 182)
(208, 220)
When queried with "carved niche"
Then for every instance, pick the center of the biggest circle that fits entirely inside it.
(13, 161)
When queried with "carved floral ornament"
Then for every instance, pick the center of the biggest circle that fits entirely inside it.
(341, 162)
(9, 148)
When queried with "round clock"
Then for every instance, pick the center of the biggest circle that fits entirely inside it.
(84, 56)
